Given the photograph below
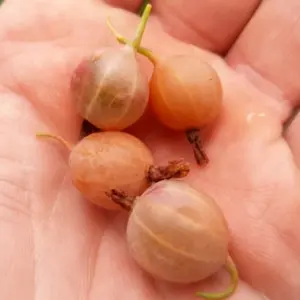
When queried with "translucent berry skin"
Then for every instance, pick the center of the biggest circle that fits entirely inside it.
(109, 160)
(109, 90)
(185, 92)
(177, 234)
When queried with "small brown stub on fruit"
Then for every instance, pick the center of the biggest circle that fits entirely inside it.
(121, 198)
(193, 137)
(174, 169)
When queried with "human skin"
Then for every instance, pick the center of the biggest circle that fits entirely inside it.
(55, 245)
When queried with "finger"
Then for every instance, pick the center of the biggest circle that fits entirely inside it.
(38, 210)
(213, 25)
(15, 230)
(206, 20)
(130, 5)
(34, 19)
(270, 45)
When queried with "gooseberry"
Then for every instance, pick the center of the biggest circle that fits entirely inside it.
(109, 89)
(178, 234)
(186, 95)
(111, 159)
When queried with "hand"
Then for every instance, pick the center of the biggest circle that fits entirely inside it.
(55, 245)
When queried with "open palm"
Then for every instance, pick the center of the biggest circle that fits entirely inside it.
(55, 245)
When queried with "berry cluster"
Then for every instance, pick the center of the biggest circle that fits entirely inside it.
(174, 232)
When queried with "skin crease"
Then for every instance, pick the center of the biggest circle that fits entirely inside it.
(54, 244)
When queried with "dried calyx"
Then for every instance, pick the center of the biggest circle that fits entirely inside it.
(174, 169)
(193, 137)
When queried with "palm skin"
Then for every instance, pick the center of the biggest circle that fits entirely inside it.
(55, 245)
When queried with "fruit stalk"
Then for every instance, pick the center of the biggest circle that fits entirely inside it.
(136, 43)
(234, 276)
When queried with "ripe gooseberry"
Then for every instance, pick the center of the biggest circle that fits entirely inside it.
(109, 89)
(105, 160)
(178, 234)
(186, 95)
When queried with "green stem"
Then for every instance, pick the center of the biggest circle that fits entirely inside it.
(141, 50)
(142, 26)
(58, 138)
(136, 43)
(232, 270)
(148, 53)
(142, 7)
